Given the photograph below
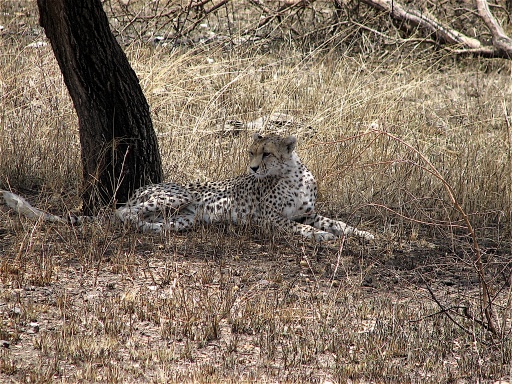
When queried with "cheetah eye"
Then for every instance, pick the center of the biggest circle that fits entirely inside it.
(251, 153)
(266, 154)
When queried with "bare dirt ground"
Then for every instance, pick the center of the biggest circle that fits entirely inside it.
(217, 305)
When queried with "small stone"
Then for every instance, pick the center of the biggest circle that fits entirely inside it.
(367, 281)
(35, 326)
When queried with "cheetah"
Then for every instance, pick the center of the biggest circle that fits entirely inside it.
(278, 192)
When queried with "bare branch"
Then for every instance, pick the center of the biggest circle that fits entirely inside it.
(500, 40)
(206, 12)
(486, 303)
(444, 33)
(502, 44)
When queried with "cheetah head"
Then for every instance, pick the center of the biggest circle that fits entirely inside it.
(271, 155)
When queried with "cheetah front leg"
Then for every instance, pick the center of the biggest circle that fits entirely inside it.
(279, 222)
(336, 227)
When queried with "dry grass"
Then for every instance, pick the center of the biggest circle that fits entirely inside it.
(232, 305)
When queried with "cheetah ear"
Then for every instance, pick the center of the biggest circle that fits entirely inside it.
(256, 136)
(290, 143)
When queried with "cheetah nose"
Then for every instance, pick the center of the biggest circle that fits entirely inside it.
(255, 169)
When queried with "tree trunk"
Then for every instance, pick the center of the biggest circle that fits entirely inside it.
(119, 146)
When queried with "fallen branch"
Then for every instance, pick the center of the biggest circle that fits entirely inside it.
(501, 44)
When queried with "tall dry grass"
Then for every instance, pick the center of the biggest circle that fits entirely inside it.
(453, 113)
(219, 305)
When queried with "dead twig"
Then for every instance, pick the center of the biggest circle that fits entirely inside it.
(486, 305)
(447, 312)
(204, 15)
(501, 42)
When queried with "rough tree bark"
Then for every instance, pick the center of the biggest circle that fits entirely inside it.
(119, 146)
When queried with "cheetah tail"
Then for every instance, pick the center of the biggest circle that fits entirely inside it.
(22, 206)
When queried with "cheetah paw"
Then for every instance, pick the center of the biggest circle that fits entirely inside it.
(366, 235)
(324, 236)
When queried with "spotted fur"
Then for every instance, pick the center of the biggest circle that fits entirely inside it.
(277, 192)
